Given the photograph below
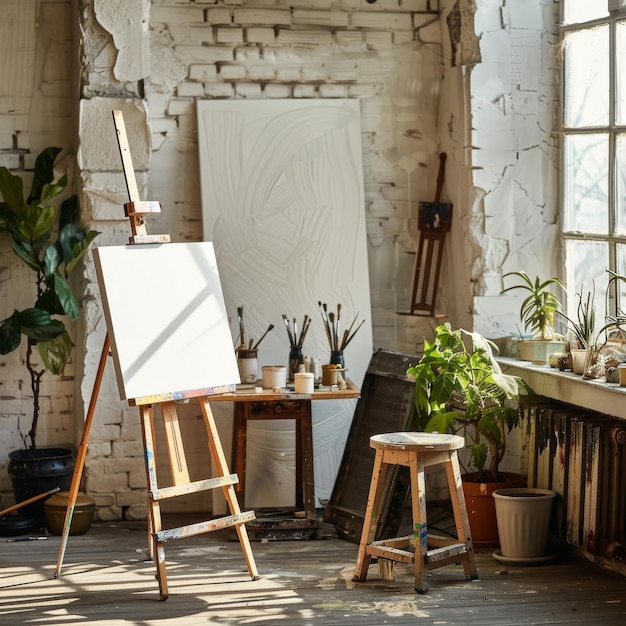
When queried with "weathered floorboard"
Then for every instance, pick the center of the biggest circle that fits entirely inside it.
(105, 579)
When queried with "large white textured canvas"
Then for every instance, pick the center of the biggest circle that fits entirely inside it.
(166, 320)
(283, 202)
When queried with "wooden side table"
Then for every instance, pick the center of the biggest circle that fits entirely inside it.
(269, 405)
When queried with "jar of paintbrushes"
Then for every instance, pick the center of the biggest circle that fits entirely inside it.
(296, 341)
(338, 338)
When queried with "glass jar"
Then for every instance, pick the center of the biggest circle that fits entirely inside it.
(296, 359)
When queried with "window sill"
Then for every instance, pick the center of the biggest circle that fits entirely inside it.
(595, 395)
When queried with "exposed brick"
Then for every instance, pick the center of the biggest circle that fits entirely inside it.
(304, 37)
(273, 17)
(248, 90)
(125, 449)
(179, 106)
(305, 91)
(308, 17)
(314, 74)
(10, 161)
(333, 91)
(365, 91)
(204, 54)
(108, 514)
(190, 89)
(349, 39)
(176, 15)
(106, 483)
(289, 74)
(260, 35)
(232, 72)
(185, 35)
(128, 498)
(202, 73)
(137, 512)
(403, 36)
(218, 16)
(382, 21)
(260, 71)
(277, 91)
(229, 35)
(218, 90)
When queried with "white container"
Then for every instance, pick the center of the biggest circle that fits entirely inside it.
(523, 516)
(248, 366)
(303, 382)
(274, 376)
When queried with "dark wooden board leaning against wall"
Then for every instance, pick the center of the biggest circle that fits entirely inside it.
(385, 405)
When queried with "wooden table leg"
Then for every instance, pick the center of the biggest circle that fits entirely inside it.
(308, 469)
(239, 449)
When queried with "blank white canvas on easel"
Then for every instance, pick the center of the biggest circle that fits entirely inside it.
(166, 318)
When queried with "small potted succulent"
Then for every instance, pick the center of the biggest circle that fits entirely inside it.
(51, 243)
(537, 312)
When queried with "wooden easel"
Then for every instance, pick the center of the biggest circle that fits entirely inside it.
(434, 221)
(181, 484)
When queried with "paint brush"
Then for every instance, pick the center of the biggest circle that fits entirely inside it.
(325, 320)
(288, 330)
(256, 345)
(242, 332)
(331, 318)
(305, 330)
(354, 333)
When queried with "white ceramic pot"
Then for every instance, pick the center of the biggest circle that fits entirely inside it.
(523, 516)
(537, 350)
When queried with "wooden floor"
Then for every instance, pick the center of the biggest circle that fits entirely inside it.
(106, 579)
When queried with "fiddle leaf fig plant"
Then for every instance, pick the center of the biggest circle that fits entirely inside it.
(51, 243)
(464, 391)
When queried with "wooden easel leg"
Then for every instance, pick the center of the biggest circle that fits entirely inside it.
(82, 455)
(219, 459)
(368, 533)
(154, 508)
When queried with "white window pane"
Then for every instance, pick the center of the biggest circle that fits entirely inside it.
(585, 270)
(575, 11)
(620, 308)
(620, 185)
(620, 72)
(587, 78)
(585, 183)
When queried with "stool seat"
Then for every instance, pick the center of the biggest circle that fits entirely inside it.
(417, 441)
(416, 450)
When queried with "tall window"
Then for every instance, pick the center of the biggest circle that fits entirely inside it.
(593, 125)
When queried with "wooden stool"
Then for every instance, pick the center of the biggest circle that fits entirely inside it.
(416, 451)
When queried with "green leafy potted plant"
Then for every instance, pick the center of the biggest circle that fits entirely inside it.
(51, 243)
(464, 391)
(537, 312)
(583, 329)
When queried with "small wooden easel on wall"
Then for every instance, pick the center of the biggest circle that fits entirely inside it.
(201, 312)
(434, 221)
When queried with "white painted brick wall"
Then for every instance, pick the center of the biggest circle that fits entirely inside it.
(251, 49)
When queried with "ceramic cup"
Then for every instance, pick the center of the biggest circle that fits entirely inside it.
(303, 382)
(621, 368)
(274, 376)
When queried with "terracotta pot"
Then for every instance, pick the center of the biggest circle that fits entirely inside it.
(481, 508)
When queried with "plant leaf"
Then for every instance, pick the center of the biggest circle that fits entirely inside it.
(56, 352)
